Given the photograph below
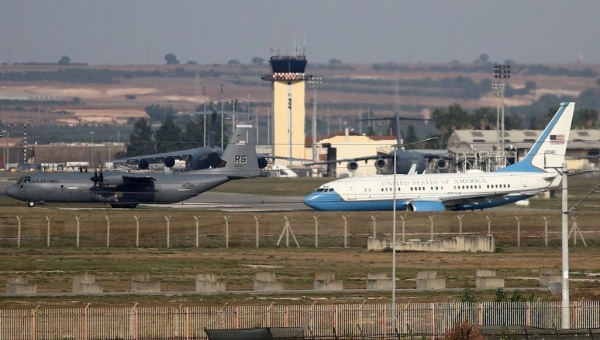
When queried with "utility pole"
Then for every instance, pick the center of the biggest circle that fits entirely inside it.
(565, 304)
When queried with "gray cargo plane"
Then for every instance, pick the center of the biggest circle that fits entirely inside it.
(127, 190)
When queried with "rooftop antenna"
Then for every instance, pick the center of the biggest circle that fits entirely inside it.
(295, 48)
(304, 47)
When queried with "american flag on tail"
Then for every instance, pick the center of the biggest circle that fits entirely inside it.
(557, 139)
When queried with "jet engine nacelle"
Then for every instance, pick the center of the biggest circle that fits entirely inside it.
(262, 162)
(442, 163)
(169, 162)
(419, 205)
(379, 164)
(352, 166)
(143, 164)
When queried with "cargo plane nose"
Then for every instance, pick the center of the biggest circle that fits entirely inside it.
(14, 192)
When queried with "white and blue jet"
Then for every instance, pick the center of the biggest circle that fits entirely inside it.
(534, 174)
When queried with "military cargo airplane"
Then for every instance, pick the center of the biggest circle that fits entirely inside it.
(208, 156)
(534, 174)
(127, 190)
(205, 157)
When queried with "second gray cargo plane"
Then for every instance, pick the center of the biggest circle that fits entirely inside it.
(127, 190)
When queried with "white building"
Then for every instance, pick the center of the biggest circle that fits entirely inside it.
(352, 145)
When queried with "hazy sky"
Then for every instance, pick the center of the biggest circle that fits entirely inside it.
(143, 31)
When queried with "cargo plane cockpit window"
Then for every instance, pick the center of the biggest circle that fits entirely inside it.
(24, 179)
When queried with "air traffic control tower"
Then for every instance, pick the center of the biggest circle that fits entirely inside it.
(288, 89)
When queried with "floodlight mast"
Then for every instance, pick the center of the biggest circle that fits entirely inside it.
(502, 71)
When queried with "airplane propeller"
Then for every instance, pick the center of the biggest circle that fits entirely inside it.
(98, 177)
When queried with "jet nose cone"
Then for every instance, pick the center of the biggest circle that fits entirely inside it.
(315, 200)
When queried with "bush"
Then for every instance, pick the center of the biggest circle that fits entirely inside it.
(463, 331)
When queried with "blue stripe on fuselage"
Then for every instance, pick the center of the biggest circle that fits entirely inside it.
(331, 201)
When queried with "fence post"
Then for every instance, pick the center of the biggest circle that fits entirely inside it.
(19, 231)
(545, 230)
(168, 219)
(316, 217)
(78, 218)
(518, 231)
(527, 313)
(136, 331)
(33, 320)
(374, 218)
(460, 217)
(226, 231)
(85, 322)
(489, 226)
(48, 231)
(107, 231)
(345, 230)
(197, 229)
(256, 218)
(402, 217)
(137, 231)
(431, 222)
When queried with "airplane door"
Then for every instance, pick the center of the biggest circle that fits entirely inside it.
(351, 191)
(523, 182)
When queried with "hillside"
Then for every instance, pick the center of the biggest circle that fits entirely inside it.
(97, 94)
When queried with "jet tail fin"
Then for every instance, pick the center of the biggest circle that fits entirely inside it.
(549, 149)
(240, 159)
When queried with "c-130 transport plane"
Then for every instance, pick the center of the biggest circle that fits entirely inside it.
(127, 190)
(534, 174)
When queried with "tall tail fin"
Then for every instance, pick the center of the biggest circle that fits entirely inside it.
(549, 149)
(240, 159)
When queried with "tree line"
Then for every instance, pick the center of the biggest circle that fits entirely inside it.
(174, 133)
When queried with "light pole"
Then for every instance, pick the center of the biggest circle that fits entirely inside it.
(394, 249)
(92, 147)
(6, 149)
(502, 71)
(314, 83)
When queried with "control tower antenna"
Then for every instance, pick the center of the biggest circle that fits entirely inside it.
(304, 47)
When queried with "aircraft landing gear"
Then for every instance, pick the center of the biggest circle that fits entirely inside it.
(31, 204)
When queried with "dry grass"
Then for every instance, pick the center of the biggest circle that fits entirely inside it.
(52, 268)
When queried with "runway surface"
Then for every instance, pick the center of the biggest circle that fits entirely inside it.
(239, 202)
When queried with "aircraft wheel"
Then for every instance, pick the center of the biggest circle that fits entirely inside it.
(31, 204)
